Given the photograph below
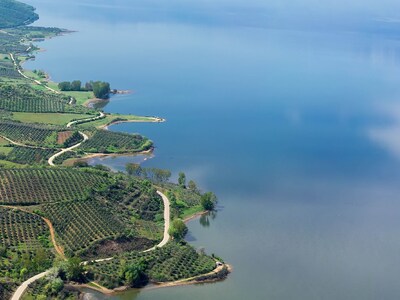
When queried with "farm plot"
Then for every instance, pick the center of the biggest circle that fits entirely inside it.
(35, 185)
(21, 230)
(29, 134)
(104, 141)
(173, 262)
(8, 70)
(81, 223)
(23, 98)
(25, 155)
(11, 43)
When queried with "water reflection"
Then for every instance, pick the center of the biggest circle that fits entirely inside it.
(387, 135)
(205, 219)
(118, 162)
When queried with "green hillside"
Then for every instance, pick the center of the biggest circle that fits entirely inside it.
(14, 13)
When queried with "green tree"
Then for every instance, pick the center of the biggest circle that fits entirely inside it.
(192, 186)
(76, 85)
(161, 175)
(23, 272)
(208, 201)
(134, 275)
(40, 259)
(3, 251)
(101, 89)
(56, 286)
(64, 86)
(171, 197)
(134, 169)
(74, 269)
(89, 86)
(182, 179)
(178, 229)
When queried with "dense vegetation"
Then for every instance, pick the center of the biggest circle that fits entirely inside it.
(26, 155)
(38, 185)
(101, 89)
(80, 223)
(25, 232)
(14, 13)
(23, 98)
(104, 141)
(7, 70)
(24, 247)
(29, 134)
(172, 262)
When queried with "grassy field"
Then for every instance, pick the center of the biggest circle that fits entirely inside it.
(5, 150)
(81, 97)
(47, 118)
(3, 142)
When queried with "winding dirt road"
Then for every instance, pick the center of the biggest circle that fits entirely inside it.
(85, 137)
(21, 289)
(167, 217)
(102, 115)
(20, 144)
(51, 159)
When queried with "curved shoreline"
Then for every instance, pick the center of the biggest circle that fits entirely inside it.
(149, 120)
(158, 285)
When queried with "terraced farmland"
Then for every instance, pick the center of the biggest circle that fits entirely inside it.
(25, 155)
(172, 262)
(35, 185)
(28, 134)
(23, 98)
(8, 70)
(21, 230)
(80, 223)
(104, 141)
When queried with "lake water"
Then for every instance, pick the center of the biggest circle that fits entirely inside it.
(292, 119)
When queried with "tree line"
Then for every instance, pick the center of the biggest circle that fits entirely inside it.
(208, 200)
(100, 89)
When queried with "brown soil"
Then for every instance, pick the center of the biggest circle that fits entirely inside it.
(63, 136)
(109, 248)
(58, 248)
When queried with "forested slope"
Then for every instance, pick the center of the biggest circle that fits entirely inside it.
(14, 13)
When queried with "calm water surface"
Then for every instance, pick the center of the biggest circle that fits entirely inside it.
(296, 131)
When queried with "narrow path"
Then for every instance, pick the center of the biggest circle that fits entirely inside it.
(85, 138)
(166, 223)
(22, 288)
(51, 159)
(18, 68)
(49, 224)
(58, 249)
(102, 115)
(20, 144)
